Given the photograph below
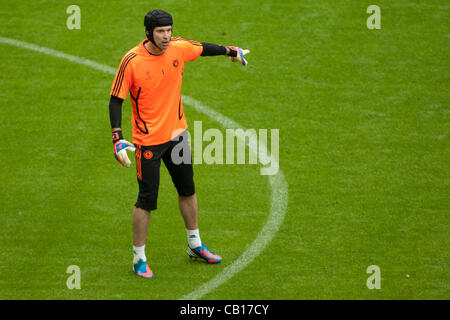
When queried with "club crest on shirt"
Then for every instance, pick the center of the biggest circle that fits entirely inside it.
(148, 154)
(175, 63)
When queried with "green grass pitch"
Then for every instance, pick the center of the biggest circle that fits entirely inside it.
(363, 118)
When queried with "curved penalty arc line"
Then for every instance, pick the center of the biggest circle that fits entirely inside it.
(277, 182)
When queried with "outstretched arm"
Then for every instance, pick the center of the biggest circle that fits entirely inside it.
(235, 53)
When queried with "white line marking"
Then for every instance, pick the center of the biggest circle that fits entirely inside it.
(58, 54)
(278, 184)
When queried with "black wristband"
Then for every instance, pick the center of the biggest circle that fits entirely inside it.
(116, 136)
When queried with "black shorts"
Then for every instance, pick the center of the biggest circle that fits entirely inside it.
(148, 162)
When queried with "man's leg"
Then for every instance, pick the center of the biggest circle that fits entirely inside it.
(147, 165)
(183, 178)
(141, 221)
(196, 249)
(189, 211)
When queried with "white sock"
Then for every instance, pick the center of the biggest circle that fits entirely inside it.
(139, 253)
(193, 237)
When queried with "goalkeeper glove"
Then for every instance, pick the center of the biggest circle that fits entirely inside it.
(240, 53)
(120, 148)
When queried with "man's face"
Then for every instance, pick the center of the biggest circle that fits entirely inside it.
(161, 36)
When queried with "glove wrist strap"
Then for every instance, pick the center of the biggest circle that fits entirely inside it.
(232, 52)
(117, 135)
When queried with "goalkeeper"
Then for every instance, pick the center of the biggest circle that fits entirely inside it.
(152, 73)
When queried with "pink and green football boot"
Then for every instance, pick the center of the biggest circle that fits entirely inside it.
(203, 253)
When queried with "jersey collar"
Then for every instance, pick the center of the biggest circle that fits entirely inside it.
(146, 52)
